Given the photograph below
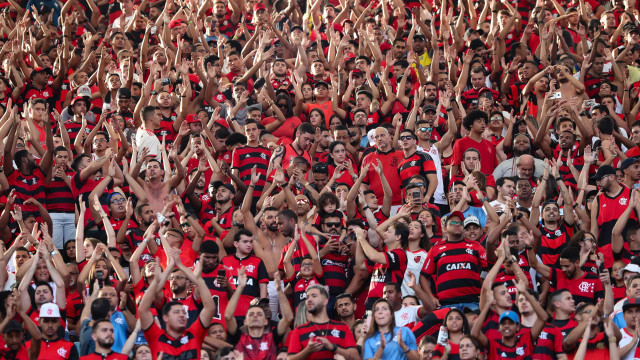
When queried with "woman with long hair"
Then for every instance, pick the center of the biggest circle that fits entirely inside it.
(428, 218)
(416, 253)
(469, 348)
(586, 242)
(282, 122)
(385, 340)
(457, 326)
(316, 118)
(339, 160)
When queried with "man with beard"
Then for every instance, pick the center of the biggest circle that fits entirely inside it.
(179, 287)
(223, 220)
(175, 318)
(284, 154)
(226, 21)
(28, 178)
(390, 158)
(333, 254)
(607, 208)
(133, 236)
(257, 339)
(154, 185)
(521, 146)
(524, 192)
(199, 199)
(584, 286)
(102, 335)
(123, 106)
(256, 272)
(505, 188)
(345, 307)
(330, 337)
(56, 347)
(279, 69)
(170, 122)
(13, 335)
(122, 319)
(249, 157)
(214, 276)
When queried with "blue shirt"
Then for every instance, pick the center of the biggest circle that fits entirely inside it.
(120, 331)
(392, 349)
(477, 212)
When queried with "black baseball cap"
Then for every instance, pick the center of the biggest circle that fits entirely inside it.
(603, 171)
(217, 184)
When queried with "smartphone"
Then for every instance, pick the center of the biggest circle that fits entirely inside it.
(222, 273)
(162, 220)
(590, 103)
(100, 276)
(601, 268)
(335, 238)
(636, 186)
(555, 95)
(416, 195)
(166, 81)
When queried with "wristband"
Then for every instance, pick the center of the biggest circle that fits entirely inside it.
(529, 247)
(449, 109)
(485, 199)
(366, 208)
(153, 93)
(519, 216)
(335, 347)
(187, 215)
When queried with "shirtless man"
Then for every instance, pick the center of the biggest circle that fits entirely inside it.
(155, 185)
(569, 86)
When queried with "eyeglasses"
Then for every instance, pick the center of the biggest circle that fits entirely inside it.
(97, 141)
(406, 137)
(177, 278)
(306, 265)
(456, 222)
(284, 105)
(118, 201)
(185, 224)
(496, 118)
(425, 129)
(333, 224)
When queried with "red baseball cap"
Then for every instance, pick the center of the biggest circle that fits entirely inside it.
(175, 23)
(259, 6)
(191, 118)
(457, 214)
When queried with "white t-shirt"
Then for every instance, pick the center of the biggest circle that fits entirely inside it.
(626, 340)
(415, 261)
(147, 139)
(408, 315)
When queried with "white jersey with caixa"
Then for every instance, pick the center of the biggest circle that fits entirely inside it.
(439, 196)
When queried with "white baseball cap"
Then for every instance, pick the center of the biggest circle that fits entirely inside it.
(84, 91)
(49, 310)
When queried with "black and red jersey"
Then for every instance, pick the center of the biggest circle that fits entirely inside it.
(592, 84)
(264, 347)
(430, 324)
(225, 220)
(334, 268)
(565, 326)
(455, 268)
(28, 186)
(471, 96)
(381, 274)
(166, 129)
(336, 332)
(508, 281)
(553, 242)
(59, 195)
(418, 163)
(256, 274)
(58, 349)
(110, 356)
(31, 92)
(608, 212)
(218, 293)
(73, 129)
(521, 350)
(191, 306)
(227, 27)
(298, 253)
(491, 326)
(588, 288)
(300, 285)
(186, 347)
(548, 344)
(244, 158)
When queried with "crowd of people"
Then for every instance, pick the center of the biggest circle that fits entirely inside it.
(341, 179)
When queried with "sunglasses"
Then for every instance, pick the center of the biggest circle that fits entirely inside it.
(186, 224)
(425, 129)
(419, 183)
(118, 201)
(406, 137)
(455, 222)
(302, 202)
(333, 224)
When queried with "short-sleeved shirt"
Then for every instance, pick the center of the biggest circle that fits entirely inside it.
(588, 288)
(187, 347)
(392, 348)
(336, 332)
(487, 151)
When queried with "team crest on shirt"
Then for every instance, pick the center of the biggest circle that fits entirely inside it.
(335, 333)
(558, 232)
(62, 352)
(417, 258)
(543, 335)
(469, 251)
(586, 287)
(264, 346)
(250, 268)
(520, 351)
(205, 197)
(184, 340)
(623, 201)
(45, 94)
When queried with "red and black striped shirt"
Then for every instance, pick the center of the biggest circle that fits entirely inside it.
(553, 242)
(549, 343)
(28, 186)
(521, 350)
(393, 271)
(59, 195)
(219, 295)
(455, 267)
(244, 158)
(609, 210)
(419, 163)
(336, 332)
